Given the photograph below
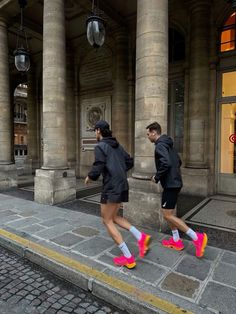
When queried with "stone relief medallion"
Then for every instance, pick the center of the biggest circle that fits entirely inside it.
(93, 115)
(92, 110)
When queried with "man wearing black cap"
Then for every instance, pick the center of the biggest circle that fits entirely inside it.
(113, 162)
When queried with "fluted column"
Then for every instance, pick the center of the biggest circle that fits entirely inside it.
(54, 183)
(120, 103)
(151, 78)
(198, 85)
(7, 166)
(150, 106)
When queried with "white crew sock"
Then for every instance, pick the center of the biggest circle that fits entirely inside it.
(135, 232)
(192, 234)
(125, 250)
(175, 235)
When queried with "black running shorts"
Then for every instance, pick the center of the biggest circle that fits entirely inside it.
(115, 198)
(169, 198)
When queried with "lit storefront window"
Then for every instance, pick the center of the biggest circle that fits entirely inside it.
(229, 84)
(228, 38)
(228, 138)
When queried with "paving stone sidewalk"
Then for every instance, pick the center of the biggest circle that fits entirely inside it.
(205, 285)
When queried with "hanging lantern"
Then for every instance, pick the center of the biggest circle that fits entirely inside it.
(21, 53)
(95, 29)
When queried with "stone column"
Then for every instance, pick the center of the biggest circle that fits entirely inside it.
(8, 175)
(198, 85)
(54, 183)
(150, 106)
(212, 109)
(120, 103)
(77, 119)
(195, 175)
(70, 110)
(32, 123)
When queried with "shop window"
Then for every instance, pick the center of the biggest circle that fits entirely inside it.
(176, 113)
(228, 144)
(228, 84)
(227, 40)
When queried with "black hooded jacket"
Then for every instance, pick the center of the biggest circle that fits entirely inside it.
(167, 163)
(112, 161)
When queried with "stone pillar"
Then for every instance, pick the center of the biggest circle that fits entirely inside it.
(54, 183)
(212, 109)
(77, 119)
(150, 105)
(120, 103)
(199, 85)
(32, 123)
(195, 174)
(8, 175)
(70, 110)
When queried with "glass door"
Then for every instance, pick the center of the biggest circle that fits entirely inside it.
(227, 134)
(227, 162)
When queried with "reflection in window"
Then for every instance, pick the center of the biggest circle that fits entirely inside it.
(227, 41)
(228, 147)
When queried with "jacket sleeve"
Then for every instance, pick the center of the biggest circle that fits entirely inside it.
(98, 165)
(129, 161)
(162, 154)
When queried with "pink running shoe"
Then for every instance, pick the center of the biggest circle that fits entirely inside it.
(143, 244)
(200, 244)
(124, 261)
(178, 246)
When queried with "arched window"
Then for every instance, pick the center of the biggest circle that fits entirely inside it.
(176, 46)
(227, 39)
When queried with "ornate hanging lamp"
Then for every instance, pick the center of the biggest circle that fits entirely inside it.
(21, 53)
(95, 28)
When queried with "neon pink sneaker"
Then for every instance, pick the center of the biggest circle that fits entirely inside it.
(124, 261)
(143, 244)
(200, 244)
(178, 246)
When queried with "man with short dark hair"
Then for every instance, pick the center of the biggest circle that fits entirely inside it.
(113, 162)
(168, 173)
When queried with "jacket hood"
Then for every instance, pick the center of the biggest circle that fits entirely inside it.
(166, 140)
(112, 141)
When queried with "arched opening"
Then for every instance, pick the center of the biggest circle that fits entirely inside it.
(176, 88)
(20, 124)
(228, 34)
(176, 46)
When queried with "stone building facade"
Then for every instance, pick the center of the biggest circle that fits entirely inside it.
(170, 61)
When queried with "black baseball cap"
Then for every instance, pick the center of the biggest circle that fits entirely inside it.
(101, 124)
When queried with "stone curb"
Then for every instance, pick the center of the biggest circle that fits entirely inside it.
(110, 289)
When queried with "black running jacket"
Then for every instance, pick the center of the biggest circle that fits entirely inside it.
(167, 163)
(113, 162)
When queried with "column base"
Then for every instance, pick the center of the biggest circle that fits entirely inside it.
(144, 206)
(54, 186)
(8, 176)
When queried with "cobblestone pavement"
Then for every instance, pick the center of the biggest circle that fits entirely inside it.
(28, 289)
